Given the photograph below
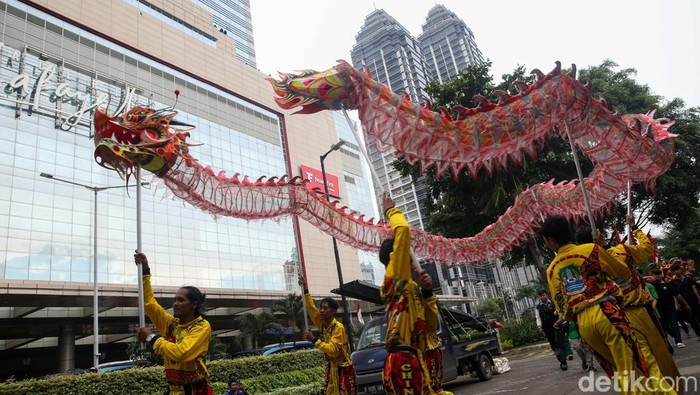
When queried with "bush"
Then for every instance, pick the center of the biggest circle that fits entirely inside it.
(309, 389)
(130, 381)
(521, 334)
(249, 367)
(259, 374)
(507, 344)
(273, 382)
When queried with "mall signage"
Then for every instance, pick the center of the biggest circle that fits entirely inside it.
(38, 86)
(315, 178)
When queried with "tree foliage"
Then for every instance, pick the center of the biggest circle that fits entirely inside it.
(683, 241)
(527, 291)
(464, 207)
(491, 308)
(291, 307)
(255, 325)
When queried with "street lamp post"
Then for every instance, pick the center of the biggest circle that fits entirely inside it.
(503, 296)
(95, 303)
(346, 314)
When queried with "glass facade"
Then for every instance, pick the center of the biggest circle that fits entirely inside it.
(51, 73)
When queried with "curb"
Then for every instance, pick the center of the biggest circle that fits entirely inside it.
(525, 349)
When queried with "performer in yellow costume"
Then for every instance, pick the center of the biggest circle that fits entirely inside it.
(433, 353)
(184, 338)
(333, 342)
(637, 303)
(406, 335)
(581, 285)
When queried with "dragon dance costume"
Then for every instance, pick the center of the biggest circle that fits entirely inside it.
(183, 347)
(406, 334)
(581, 286)
(637, 304)
(333, 342)
(433, 352)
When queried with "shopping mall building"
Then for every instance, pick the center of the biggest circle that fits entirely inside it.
(59, 60)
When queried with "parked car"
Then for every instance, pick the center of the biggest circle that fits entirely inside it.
(469, 342)
(121, 365)
(287, 347)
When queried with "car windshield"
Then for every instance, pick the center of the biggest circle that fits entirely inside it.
(373, 334)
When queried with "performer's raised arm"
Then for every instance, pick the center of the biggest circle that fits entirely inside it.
(155, 311)
(396, 251)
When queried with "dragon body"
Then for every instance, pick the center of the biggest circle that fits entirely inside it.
(635, 148)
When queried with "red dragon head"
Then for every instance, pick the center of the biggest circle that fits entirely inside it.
(315, 91)
(142, 136)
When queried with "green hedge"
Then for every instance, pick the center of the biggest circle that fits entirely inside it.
(521, 334)
(245, 368)
(260, 374)
(132, 381)
(309, 389)
(271, 382)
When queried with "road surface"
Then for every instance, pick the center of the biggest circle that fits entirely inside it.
(537, 373)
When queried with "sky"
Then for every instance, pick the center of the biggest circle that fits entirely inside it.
(660, 39)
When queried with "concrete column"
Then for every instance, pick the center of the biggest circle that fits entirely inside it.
(66, 349)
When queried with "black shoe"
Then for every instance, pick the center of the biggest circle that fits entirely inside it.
(563, 366)
(584, 365)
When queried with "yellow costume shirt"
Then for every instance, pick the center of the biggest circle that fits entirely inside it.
(580, 275)
(633, 289)
(183, 347)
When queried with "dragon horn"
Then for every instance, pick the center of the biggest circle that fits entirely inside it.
(538, 73)
(572, 72)
(521, 86)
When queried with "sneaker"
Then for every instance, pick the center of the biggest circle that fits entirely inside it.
(584, 365)
(564, 366)
(680, 345)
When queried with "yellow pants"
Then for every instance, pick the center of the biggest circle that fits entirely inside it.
(598, 333)
(654, 347)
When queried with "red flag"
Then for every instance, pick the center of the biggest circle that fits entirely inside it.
(359, 314)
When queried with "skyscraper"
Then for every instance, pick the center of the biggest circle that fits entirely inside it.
(447, 44)
(393, 57)
(232, 17)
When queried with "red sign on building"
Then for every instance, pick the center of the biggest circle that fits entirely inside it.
(315, 178)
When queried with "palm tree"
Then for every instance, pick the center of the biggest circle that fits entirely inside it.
(292, 308)
(254, 325)
(216, 346)
(527, 291)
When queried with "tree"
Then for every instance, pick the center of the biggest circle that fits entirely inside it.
(451, 204)
(254, 325)
(683, 241)
(527, 291)
(216, 346)
(292, 308)
(491, 308)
